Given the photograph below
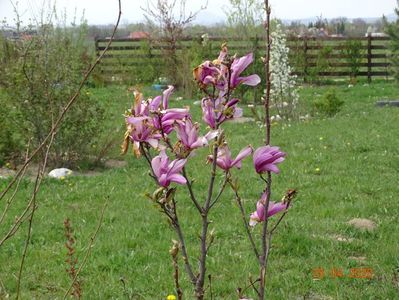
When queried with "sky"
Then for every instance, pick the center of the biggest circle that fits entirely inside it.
(105, 11)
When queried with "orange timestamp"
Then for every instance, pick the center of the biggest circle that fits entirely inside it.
(358, 273)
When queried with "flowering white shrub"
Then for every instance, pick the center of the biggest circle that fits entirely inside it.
(283, 94)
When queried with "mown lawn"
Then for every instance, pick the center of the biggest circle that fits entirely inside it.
(343, 168)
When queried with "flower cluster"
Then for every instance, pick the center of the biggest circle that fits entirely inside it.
(283, 92)
(151, 122)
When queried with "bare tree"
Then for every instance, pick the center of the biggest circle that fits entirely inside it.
(168, 19)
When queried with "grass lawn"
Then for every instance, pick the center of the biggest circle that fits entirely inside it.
(343, 168)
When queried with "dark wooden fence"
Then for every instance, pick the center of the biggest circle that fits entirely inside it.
(310, 57)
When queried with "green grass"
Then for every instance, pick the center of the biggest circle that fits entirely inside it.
(357, 153)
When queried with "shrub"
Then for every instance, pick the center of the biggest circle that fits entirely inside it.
(353, 52)
(329, 105)
(321, 64)
(40, 73)
(392, 30)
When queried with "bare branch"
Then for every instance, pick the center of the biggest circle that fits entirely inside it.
(244, 219)
(39, 177)
(190, 189)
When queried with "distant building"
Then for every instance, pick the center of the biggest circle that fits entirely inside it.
(376, 34)
(372, 31)
(139, 35)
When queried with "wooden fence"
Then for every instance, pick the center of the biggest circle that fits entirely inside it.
(311, 58)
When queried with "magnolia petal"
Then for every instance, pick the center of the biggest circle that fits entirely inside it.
(251, 80)
(153, 143)
(243, 153)
(177, 178)
(177, 165)
(211, 135)
(253, 222)
(240, 64)
(201, 142)
(166, 95)
(156, 165)
(163, 180)
(275, 208)
(155, 103)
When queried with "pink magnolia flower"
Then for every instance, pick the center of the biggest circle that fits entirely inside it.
(187, 133)
(216, 73)
(207, 73)
(226, 162)
(166, 119)
(141, 130)
(237, 67)
(219, 112)
(167, 172)
(230, 111)
(265, 159)
(259, 214)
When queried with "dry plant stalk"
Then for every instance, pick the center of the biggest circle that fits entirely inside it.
(72, 260)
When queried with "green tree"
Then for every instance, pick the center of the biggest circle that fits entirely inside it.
(392, 30)
(245, 16)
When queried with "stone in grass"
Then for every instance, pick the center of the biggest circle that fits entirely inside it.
(383, 103)
(363, 224)
(60, 173)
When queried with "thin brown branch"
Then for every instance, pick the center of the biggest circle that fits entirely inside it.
(38, 181)
(199, 287)
(245, 221)
(263, 259)
(221, 190)
(179, 232)
(191, 191)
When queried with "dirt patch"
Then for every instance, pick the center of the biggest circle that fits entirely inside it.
(113, 163)
(363, 224)
(5, 172)
(242, 120)
(335, 237)
(341, 238)
(358, 258)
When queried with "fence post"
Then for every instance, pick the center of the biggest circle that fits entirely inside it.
(305, 51)
(96, 45)
(369, 53)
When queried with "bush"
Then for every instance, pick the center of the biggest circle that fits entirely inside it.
(40, 73)
(392, 30)
(322, 64)
(353, 52)
(329, 105)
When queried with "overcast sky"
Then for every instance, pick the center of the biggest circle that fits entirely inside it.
(104, 11)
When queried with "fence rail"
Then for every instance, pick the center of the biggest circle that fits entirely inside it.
(310, 57)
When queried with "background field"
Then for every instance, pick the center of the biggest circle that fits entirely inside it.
(343, 167)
